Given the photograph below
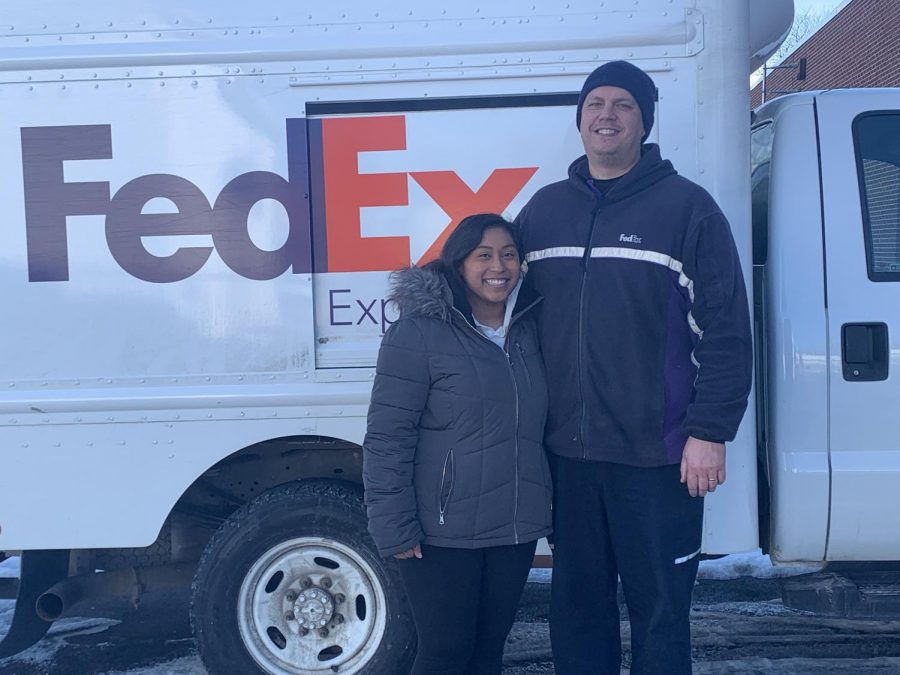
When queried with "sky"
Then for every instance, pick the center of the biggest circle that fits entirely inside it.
(818, 5)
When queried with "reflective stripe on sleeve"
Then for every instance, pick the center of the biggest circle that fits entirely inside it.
(556, 252)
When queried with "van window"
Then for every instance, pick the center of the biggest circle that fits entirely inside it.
(760, 158)
(877, 140)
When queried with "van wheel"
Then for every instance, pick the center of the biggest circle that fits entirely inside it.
(292, 583)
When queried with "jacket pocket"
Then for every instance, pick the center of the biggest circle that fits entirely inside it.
(445, 491)
(524, 365)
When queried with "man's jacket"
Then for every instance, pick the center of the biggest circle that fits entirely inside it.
(645, 328)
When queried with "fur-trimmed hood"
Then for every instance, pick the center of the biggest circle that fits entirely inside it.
(421, 291)
(425, 291)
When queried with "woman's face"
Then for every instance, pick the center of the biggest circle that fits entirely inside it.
(491, 270)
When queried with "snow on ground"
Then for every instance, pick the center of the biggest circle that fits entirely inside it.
(10, 567)
(189, 665)
(44, 650)
(6, 613)
(749, 564)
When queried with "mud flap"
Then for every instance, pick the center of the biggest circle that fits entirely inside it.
(39, 571)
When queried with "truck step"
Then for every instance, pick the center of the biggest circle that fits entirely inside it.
(856, 594)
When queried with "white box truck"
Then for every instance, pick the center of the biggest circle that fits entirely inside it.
(201, 201)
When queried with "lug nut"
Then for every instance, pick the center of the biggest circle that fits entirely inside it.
(304, 631)
(339, 618)
(323, 632)
(339, 598)
(326, 582)
(306, 583)
(289, 616)
(290, 596)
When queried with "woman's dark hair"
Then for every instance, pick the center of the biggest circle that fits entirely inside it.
(465, 239)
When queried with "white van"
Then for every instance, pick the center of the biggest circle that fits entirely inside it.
(200, 205)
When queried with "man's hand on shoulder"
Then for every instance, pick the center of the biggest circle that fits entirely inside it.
(702, 466)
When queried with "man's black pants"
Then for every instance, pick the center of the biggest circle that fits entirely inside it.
(464, 602)
(638, 524)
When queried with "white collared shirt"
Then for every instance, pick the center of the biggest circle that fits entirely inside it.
(495, 335)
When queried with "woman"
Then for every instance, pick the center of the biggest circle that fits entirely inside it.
(457, 483)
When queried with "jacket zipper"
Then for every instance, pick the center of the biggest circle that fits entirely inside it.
(443, 505)
(512, 375)
(580, 354)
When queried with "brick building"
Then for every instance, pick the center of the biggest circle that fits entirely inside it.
(858, 47)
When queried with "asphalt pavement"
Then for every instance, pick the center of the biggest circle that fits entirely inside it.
(739, 626)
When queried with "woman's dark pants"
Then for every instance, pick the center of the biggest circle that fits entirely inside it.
(464, 602)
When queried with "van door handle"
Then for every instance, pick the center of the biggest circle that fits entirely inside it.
(865, 351)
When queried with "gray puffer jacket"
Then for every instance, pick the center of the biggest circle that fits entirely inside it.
(453, 455)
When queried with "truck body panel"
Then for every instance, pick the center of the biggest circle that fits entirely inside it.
(832, 257)
(203, 205)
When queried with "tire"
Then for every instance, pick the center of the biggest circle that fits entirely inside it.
(157, 554)
(292, 583)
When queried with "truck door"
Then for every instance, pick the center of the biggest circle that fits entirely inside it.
(859, 137)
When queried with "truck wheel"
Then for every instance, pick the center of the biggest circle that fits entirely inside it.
(292, 583)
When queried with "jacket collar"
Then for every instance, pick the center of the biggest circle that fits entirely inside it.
(424, 291)
(651, 168)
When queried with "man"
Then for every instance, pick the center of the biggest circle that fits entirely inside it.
(646, 338)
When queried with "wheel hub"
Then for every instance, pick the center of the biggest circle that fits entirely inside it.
(314, 608)
(310, 605)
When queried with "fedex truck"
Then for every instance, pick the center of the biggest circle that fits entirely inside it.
(200, 206)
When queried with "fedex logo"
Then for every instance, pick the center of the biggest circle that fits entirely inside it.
(347, 191)
(323, 193)
(49, 199)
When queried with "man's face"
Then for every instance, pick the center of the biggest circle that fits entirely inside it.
(611, 127)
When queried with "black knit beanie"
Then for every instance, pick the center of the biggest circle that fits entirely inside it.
(630, 78)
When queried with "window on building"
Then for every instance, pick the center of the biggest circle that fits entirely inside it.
(760, 158)
(877, 139)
